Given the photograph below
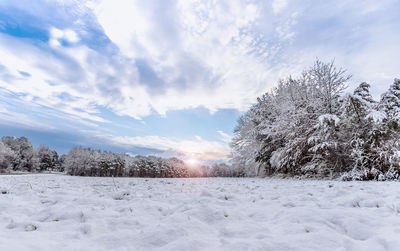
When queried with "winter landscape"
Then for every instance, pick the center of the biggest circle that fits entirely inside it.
(199, 125)
(48, 212)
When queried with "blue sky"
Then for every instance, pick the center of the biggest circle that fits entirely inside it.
(172, 77)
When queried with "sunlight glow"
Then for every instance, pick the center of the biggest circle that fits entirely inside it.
(192, 162)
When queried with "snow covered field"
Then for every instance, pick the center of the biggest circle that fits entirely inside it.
(57, 212)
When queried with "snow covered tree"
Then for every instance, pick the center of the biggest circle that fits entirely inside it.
(25, 159)
(361, 126)
(275, 133)
(223, 170)
(305, 127)
(390, 131)
(246, 143)
(17, 154)
(390, 104)
(48, 159)
(327, 83)
(7, 157)
(324, 147)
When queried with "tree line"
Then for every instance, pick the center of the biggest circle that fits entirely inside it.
(18, 154)
(308, 126)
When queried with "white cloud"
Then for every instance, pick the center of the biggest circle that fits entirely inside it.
(73, 84)
(205, 54)
(12, 119)
(197, 147)
(224, 136)
(279, 5)
(202, 44)
(67, 34)
(71, 36)
(56, 33)
(54, 43)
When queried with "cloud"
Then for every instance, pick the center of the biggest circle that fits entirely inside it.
(224, 136)
(196, 147)
(58, 36)
(21, 119)
(3, 110)
(359, 37)
(83, 75)
(11, 118)
(216, 55)
(200, 50)
(19, 110)
(279, 5)
(191, 65)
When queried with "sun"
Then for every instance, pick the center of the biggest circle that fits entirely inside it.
(192, 162)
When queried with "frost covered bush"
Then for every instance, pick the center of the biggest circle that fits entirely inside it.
(307, 126)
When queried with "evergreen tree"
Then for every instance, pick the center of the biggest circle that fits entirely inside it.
(390, 104)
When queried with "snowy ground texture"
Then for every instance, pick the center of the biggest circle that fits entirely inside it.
(58, 212)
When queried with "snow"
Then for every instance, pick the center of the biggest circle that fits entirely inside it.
(326, 118)
(59, 212)
(376, 116)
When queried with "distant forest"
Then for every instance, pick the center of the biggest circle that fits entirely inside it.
(18, 154)
(308, 126)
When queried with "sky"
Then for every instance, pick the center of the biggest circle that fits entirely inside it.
(171, 78)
